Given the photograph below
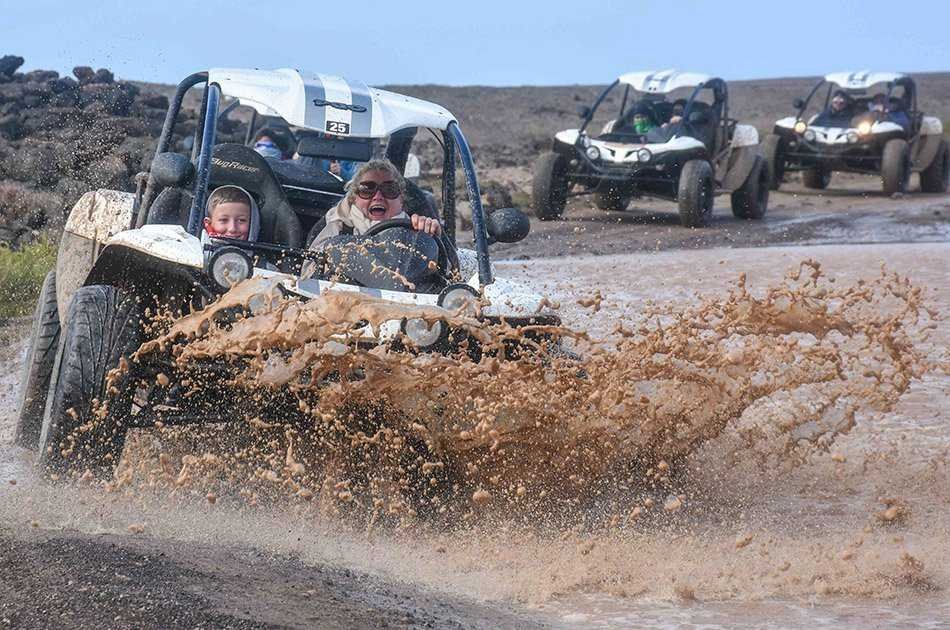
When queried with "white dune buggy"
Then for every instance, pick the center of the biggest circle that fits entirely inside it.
(688, 156)
(124, 256)
(890, 138)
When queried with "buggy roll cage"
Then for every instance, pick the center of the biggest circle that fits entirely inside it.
(910, 94)
(452, 140)
(718, 86)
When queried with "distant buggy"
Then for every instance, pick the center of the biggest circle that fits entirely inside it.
(688, 156)
(880, 133)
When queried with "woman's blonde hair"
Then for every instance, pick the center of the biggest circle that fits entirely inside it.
(375, 165)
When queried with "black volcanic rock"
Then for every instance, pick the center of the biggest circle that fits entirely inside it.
(9, 64)
(103, 76)
(84, 74)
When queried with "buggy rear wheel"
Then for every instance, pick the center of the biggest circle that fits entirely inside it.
(752, 199)
(772, 149)
(611, 200)
(34, 380)
(816, 178)
(895, 166)
(549, 191)
(935, 178)
(696, 193)
(84, 424)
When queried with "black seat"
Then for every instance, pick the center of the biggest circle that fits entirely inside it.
(295, 173)
(705, 132)
(238, 165)
(171, 207)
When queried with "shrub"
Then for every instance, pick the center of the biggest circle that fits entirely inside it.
(21, 276)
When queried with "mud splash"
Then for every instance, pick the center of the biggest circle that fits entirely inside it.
(508, 424)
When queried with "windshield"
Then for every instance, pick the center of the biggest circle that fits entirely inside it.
(626, 115)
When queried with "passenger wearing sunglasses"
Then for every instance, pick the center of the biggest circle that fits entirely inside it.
(374, 194)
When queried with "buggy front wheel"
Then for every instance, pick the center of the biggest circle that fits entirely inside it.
(816, 178)
(85, 422)
(936, 176)
(752, 199)
(549, 192)
(895, 166)
(772, 149)
(696, 193)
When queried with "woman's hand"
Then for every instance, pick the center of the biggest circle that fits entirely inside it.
(425, 224)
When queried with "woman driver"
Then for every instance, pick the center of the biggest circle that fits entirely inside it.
(374, 194)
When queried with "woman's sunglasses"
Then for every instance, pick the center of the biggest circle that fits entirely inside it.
(366, 190)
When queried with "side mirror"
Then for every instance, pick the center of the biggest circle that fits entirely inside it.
(698, 118)
(508, 225)
(172, 169)
(583, 111)
(798, 103)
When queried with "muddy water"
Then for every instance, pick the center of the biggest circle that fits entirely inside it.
(855, 532)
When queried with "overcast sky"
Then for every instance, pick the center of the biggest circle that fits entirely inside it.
(486, 42)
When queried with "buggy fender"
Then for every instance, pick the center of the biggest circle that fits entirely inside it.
(97, 216)
(925, 150)
(739, 165)
(745, 136)
(931, 126)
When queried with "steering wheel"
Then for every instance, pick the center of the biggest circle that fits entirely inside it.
(391, 224)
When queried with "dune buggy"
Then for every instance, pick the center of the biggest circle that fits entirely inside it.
(125, 256)
(881, 132)
(689, 156)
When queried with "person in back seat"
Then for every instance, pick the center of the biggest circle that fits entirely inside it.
(266, 145)
(374, 194)
(231, 213)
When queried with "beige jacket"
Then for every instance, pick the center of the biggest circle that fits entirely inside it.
(345, 214)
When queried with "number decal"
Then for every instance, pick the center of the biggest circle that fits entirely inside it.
(339, 128)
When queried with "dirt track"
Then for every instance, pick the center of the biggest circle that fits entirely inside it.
(852, 210)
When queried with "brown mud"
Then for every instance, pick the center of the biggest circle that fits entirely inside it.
(749, 524)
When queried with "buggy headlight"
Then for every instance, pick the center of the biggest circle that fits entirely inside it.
(800, 127)
(230, 265)
(852, 136)
(864, 128)
(461, 299)
(593, 153)
(422, 333)
(644, 155)
(810, 135)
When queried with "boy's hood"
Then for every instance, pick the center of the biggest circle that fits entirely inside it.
(255, 227)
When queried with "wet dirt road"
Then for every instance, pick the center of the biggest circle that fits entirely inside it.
(774, 546)
(852, 210)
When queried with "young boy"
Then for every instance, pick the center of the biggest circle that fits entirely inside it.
(231, 213)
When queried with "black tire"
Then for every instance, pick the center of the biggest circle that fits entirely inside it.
(775, 159)
(936, 177)
(696, 193)
(549, 191)
(34, 379)
(611, 200)
(895, 166)
(752, 199)
(816, 178)
(103, 326)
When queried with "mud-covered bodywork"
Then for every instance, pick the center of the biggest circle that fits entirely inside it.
(129, 263)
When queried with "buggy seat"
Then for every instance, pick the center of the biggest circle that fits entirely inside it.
(238, 165)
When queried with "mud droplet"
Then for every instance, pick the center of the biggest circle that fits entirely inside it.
(136, 528)
(744, 540)
(481, 496)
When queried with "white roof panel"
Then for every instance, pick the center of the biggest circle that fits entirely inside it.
(862, 79)
(328, 103)
(662, 81)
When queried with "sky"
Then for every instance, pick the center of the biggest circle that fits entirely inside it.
(478, 42)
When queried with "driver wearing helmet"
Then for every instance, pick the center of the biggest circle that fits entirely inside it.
(375, 194)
